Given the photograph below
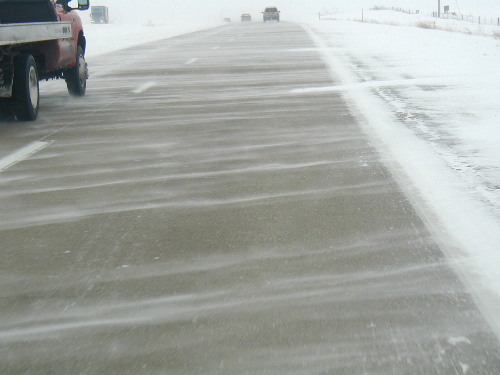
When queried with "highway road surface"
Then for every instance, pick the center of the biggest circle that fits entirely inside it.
(195, 213)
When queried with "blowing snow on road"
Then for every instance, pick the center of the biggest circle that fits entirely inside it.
(298, 197)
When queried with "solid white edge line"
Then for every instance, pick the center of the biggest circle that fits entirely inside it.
(22, 154)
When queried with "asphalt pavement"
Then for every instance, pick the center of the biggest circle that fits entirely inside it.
(195, 213)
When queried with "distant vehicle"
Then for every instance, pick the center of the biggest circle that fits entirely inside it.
(227, 19)
(246, 17)
(99, 14)
(271, 14)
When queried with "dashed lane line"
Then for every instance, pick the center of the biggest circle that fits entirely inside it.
(143, 87)
(191, 61)
(22, 154)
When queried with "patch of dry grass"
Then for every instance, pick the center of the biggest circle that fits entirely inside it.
(426, 24)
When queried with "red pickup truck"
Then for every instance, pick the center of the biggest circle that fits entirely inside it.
(39, 39)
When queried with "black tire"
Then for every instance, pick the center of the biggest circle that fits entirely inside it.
(25, 91)
(76, 77)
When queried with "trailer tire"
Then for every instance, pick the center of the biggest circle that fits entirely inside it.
(76, 77)
(25, 89)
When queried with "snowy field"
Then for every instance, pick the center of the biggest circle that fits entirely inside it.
(429, 100)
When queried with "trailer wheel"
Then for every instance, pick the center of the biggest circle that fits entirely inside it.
(76, 77)
(25, 90)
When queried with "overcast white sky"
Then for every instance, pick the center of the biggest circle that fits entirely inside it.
(161, 12)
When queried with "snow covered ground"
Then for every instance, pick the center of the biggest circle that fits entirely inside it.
(429, 99)
(111, 37)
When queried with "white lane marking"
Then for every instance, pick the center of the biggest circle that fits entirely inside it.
(191, 61)
(143, 87)
(21, 154)
(216, 47)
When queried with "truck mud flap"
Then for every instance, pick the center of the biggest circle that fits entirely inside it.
(6, 79)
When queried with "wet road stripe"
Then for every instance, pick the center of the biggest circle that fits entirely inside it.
(21, 154)
(143, 87)
(372, 84)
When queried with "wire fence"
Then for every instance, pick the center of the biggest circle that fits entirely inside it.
(480, 20)
(473, 19)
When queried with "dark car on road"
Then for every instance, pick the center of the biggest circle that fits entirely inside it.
(245, 17)
(271, 14)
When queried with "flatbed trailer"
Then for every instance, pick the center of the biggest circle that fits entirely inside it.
(19, 33)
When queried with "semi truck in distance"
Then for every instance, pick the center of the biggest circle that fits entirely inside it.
(99, 14)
